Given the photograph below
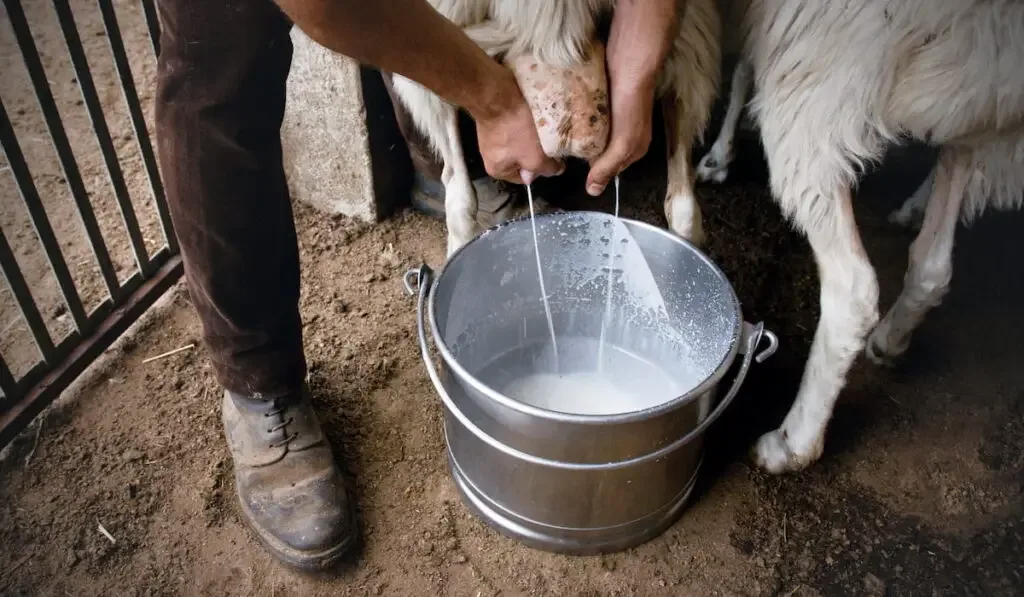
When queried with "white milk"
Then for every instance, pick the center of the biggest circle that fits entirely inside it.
(577, 393)
(640, 286)
(580, 393)
(540, 276)
(628, 383)
(608, 291)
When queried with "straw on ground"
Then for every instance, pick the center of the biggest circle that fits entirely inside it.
(169, 353)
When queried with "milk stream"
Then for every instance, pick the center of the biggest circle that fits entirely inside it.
(608, 291)
(540, 276)
(572, 384)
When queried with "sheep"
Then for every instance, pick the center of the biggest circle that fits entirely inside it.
(834, 84)
(714, 166)
(560, 34)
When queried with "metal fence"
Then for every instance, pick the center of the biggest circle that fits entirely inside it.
(62, 360)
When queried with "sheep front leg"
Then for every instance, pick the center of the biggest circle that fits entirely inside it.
(438, 120)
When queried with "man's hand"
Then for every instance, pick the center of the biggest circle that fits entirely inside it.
(632, 109)
(640, 38)
(508, 139)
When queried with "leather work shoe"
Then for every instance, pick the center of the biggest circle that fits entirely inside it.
(289, 485)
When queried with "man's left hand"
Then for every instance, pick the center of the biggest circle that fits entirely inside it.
(632, 110)
(640, 38)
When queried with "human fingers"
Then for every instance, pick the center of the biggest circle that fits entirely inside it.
(539, 164)
(619, 155)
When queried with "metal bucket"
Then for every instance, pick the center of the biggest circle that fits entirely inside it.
(576, 482)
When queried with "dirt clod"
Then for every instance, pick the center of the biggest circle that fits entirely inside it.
(131, 455)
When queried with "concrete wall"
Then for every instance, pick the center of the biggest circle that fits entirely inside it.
(343, 151)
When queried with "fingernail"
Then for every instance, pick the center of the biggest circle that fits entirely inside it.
(595, 189)
(526, 176)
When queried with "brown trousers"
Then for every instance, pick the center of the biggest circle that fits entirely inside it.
(221, 80)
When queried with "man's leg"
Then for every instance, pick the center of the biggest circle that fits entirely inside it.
(220, 101)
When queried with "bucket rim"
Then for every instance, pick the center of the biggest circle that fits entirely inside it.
(590, 419)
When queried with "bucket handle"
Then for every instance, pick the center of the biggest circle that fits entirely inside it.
(418, 281)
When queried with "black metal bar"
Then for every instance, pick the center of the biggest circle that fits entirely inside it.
(100, 311)
(131, 98)
(137, 279)
(7, 385)
(153, 22)
(30, 55)
(37, 213)
(162, 256)
(36, 398)
(99, 124)
(31, 377)
(66, 346)
(23, 296)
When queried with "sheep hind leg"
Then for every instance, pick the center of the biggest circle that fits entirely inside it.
(849, 309)
(682, 211)
(690, 84)
(714, 166)
(909, 215)
(438, 120)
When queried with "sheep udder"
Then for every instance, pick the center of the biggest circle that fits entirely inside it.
(569, 105)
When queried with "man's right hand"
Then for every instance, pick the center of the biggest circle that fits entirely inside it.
(508, 139)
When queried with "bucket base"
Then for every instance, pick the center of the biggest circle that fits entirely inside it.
(571, 541)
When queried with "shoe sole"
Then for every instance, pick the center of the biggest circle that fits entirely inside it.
(300, 560)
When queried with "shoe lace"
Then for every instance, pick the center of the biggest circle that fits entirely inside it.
(279, 410)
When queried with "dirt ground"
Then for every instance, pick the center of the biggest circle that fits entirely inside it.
(919, 492)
